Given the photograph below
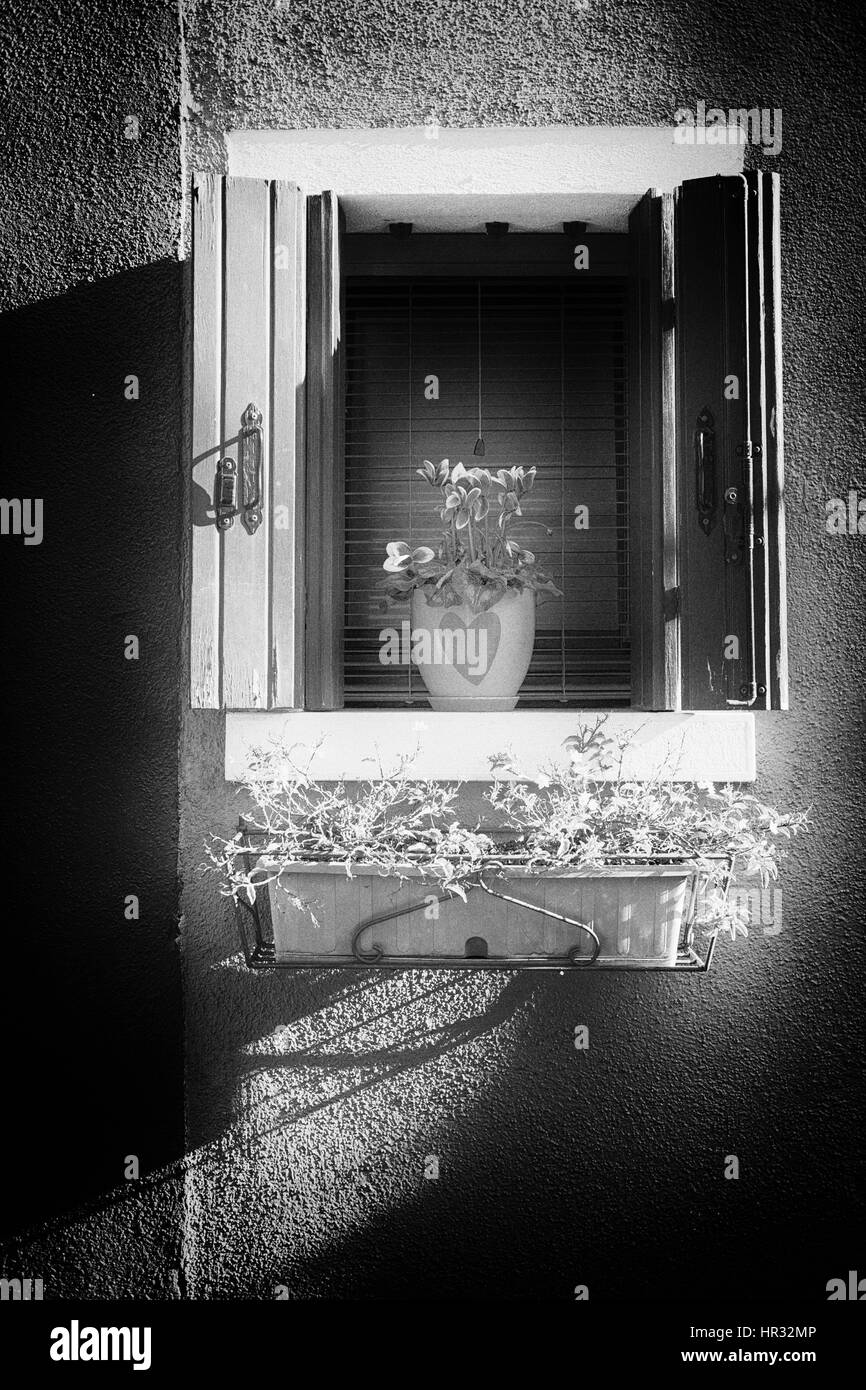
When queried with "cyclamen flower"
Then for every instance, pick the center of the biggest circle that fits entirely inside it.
(523, 557)
(472, 477)
(401, 556)
(465, 506)
(434, 474)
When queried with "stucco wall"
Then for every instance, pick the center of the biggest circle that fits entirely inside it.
(92, 286)
(313, 1101)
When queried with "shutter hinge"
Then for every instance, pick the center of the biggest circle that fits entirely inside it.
(226, 495)
(669, 314)
(749, 692)
(671, 604)
(748, 450)
(735, 525)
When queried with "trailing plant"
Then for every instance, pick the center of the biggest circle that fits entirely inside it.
(477, 559)
(582, 815)
(389, 823)
(588, 815)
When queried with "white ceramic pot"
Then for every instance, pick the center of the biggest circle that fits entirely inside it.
(470, 660)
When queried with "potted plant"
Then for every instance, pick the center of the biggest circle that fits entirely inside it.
(576, 865)
(473, 598)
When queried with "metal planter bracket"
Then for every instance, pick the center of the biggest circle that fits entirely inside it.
(376, 956)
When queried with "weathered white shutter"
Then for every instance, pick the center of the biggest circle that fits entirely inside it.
(249, 330)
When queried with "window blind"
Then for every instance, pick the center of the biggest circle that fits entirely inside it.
(546, 358)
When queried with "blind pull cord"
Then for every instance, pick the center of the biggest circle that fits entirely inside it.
(479, 449)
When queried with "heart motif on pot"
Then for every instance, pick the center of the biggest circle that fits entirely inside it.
(481, 643)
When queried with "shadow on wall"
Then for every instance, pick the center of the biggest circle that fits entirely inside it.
(292, 1044)
(134, 1229)
(371, 1040)
(328, 1093)
(93, 428)
(431, 1134)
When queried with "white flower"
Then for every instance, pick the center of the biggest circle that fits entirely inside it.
(400, 556)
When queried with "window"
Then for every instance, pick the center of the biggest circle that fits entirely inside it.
(538, 363)
(651, 395)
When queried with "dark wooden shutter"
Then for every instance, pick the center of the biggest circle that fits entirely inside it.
(768, 247)
(249, 335)
(653, 558)
(324, 476)
(729, 444)
(707, 536)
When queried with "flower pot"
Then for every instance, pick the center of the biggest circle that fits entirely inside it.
(640, 914)
(472, 660)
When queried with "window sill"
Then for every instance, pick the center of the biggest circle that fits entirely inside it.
(716, 746)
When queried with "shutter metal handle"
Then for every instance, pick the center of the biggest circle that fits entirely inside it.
(250, 450)
(705, 469)
(244, 477)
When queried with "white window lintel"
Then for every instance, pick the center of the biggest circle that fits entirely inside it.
(448, 179)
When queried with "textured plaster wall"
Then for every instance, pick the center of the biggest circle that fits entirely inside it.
(314, 1100)
(92, 288)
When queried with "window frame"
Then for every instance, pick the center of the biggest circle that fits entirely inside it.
(288, 455)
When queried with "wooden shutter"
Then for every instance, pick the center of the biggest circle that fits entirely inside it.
(705, 421)
(653, 559)
(325, 504)
(248, 351)
(729, 444)
(768, 245)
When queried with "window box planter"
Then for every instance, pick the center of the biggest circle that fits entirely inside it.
(571, 871)
(634, 915)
